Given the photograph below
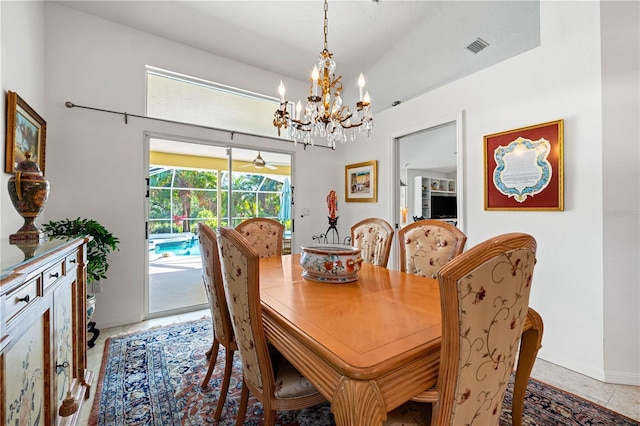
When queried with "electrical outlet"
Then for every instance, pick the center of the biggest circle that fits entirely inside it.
(96, 286)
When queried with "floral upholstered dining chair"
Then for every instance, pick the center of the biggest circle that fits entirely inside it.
(374, 237)
(222, 328)
(264, 234)
(484, 298)
(269, 377)
(427, 245)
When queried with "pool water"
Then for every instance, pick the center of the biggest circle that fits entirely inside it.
(175, 246)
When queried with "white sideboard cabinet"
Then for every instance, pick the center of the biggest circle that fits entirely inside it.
(43, 338)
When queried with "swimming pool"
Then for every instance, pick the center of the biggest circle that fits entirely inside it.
(179, 245)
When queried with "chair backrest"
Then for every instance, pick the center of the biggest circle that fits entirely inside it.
(484, 300)
(374, 237)
(240, 276)
(264, 234)
(212, 277)
(427, 245)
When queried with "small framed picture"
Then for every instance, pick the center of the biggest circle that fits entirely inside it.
(361, 182)
(523, 168)
(26, 132)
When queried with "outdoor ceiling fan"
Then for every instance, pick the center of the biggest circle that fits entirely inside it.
(259, 163)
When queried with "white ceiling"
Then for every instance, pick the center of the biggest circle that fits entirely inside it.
(432, 149)
(404, 48)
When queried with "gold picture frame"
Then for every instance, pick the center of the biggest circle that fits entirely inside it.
(523, 168)
(26, 131)
(361, 182)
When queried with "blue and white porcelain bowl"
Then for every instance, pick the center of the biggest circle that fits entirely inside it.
(330, 263)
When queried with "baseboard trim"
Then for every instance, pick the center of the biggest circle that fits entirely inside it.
(120, 322)
(622, 378)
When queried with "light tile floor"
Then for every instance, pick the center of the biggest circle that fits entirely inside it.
(620, 398)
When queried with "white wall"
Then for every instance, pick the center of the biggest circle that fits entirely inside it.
(23, 70)
(621, 187)
(559, 79)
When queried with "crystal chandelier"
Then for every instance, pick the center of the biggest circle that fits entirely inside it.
(325, 115)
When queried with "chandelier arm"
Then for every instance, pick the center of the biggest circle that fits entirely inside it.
(351, 126)
(299, 123)
(342, 118)
(336, 83)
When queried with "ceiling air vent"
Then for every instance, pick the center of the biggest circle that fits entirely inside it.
(477, 45)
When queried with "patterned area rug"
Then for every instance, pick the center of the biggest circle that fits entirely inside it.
(153, 378)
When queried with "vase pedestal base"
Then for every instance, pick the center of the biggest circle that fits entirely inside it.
(27, 238)
(29, 233)
(28, 246)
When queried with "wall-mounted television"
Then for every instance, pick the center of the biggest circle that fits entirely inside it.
(444, 207)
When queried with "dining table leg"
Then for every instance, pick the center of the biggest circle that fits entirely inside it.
(530, 343)
(358, 403)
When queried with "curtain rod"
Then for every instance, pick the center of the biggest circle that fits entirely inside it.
(126, 115)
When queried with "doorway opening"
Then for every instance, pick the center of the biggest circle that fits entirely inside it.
(428, 173)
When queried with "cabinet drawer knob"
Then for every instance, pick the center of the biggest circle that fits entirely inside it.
(72, 261)
(56, 275)
(24, 299)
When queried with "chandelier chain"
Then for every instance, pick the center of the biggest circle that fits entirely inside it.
(326, 24)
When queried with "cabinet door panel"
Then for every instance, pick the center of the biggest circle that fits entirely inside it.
(26, 399)
(63, 335)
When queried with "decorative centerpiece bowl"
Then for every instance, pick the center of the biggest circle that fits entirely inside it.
(330, 263)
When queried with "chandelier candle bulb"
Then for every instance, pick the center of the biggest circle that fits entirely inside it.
(298, 110)
(367, 98)
(314, 77)
(281, 91)
(361, 85)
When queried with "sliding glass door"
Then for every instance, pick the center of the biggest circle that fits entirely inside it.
(190, 183)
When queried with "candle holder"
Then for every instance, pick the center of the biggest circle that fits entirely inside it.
(335, 236)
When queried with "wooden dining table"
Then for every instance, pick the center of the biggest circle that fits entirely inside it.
(370, 345)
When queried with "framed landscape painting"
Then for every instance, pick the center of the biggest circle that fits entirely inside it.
(26, 132)
(361, 182)
(523, 168)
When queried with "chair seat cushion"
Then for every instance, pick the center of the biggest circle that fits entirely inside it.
(290, 383)
(410, 414)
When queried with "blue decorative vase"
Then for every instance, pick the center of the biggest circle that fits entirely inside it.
(91, 306)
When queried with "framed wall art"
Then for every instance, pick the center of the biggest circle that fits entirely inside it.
(523, 168)
(361, 182)
(26, 132)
